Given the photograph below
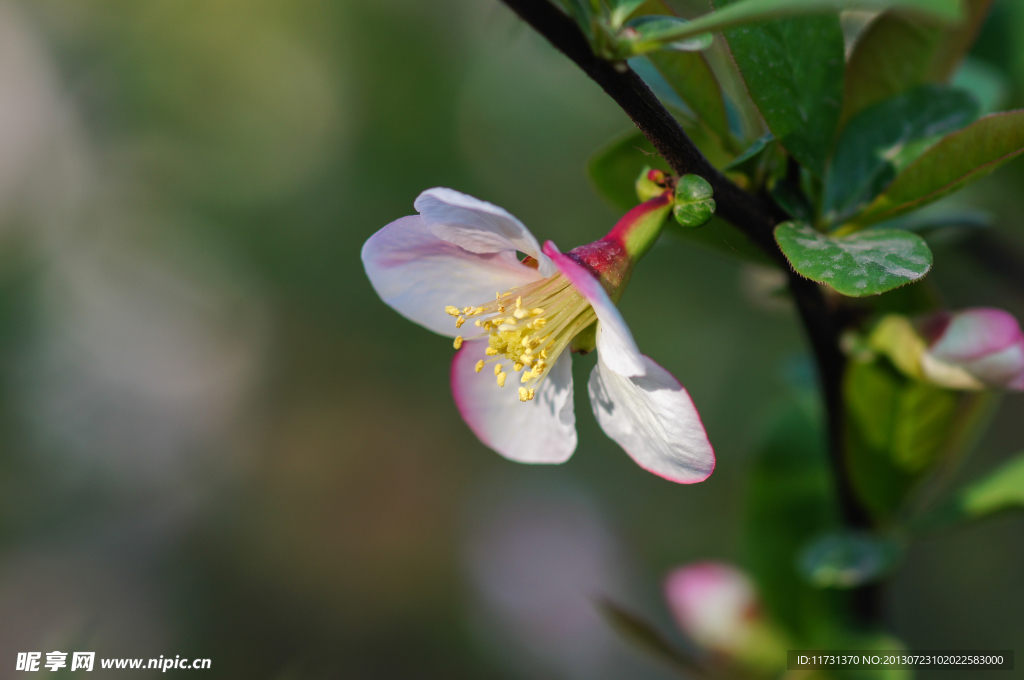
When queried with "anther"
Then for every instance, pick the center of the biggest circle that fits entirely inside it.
(467, 310)
(518, 366)
(520, 313)
(529, 396)
(479, 366)
(501, 379)
(536, 311)
(458, 322)
(490, 351)
(524, 394)
(458, 342)
(497, 369)
(519, 302)
(451, 311)
(478, 323)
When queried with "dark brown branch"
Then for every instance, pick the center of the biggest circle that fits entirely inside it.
(753, 216)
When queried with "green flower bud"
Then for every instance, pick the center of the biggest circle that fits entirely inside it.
(694, 204)
(650, 183)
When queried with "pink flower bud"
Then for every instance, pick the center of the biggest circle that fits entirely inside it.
(974, 349)
(713, 603)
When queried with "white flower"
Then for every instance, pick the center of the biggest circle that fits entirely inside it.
(456, 264)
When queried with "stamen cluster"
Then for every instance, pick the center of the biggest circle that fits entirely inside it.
(530, 331)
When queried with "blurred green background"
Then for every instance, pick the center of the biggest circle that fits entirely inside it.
(216, 441)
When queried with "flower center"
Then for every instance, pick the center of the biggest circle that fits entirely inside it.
(529, 326)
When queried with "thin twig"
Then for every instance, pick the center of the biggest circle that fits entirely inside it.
(750, 214)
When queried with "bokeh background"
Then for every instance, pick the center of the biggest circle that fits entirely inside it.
(216, 441)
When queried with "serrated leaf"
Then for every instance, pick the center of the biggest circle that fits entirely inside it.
(865, 263)
(849, 559)
(745, 12)
(884, 138)
(690, 76)
(957, 160)
(793, 69)
(645, 637)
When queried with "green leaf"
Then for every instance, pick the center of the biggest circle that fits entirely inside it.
(790, 500)
(956, 40)
(752, 11)
(897, 52)
(645, 637)
(885, 138)
(849, 559)
(958, 160)
(793, 69)
(893, 55)
(752, 151)
(690, 76)
(865, 263)
(1000, 490)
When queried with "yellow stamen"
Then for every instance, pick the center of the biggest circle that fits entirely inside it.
(451, 311)
(529, 325)
(458, 340)
(533, 391)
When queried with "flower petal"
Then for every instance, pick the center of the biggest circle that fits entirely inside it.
(712, 602)
(539, 431)
(418, 274)
(477, 226)
(653, 418)
(974, 333)
(999, 368)
(615, 342)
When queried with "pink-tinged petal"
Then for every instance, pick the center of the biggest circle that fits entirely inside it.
(999, 368)
(615, 342)
(539, 431)
(419, 274)
(713, 603)
(477, 226)
(975, 333)
(653, 418)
